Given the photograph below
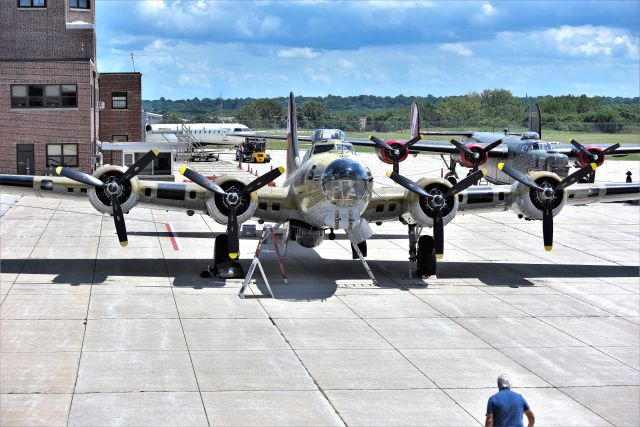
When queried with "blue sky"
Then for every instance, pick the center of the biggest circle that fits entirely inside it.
(200, 48)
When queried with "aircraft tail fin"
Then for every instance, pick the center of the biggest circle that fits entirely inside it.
(414, 118)
(535, 120)
(293, 152)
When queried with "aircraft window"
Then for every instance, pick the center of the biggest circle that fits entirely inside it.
(323, 148)
(237, 130)
(344, 147)
(326, 134)
(534, 146)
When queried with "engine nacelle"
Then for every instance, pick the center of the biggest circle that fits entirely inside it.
(102, 202)
(466, 160)
(384, 155)
(528, 201)
(422, 210)
(583, 161)
(217, 207)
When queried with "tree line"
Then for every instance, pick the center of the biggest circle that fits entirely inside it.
(490, 108)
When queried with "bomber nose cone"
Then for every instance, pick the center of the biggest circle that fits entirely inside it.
(345, 182)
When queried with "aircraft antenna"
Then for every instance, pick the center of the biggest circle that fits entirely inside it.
(133, 62)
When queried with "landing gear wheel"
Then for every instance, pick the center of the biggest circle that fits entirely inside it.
(450, 176)
(426, 258)
(363, 248)
(332, 235)
(223, 266)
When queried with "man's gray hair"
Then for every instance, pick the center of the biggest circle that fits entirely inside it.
(504, 381)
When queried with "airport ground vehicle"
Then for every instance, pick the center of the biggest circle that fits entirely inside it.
(253, 150)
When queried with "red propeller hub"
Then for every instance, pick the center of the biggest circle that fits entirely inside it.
(478, 158)
(595, 151)
(387, 157)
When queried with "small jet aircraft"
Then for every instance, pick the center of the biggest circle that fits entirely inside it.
(522, 153)
(204, 133)
(327, 189)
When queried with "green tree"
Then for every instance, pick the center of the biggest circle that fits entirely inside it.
(311, 112)
(172, 118)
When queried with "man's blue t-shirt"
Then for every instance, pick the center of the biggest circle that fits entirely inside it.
(507, 408)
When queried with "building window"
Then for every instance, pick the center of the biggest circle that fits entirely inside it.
(49, 96)
(32, 3)
(62, 155)
(120, 138)
(79, 4)
(119, 100)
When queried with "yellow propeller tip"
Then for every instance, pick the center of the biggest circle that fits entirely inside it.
(370, 136)
(59, 170)
(484, 171)
(439, 256)
(389, 174)
(124, 244)
(281, 169)
(548, 248)
(183, 170)
(500, 165)
(421, 136)
(156, 151)
(233, 255)
(594, 166)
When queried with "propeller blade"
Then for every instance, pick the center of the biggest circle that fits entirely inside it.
(412, 141)
(491, 146)
(142, 163)
(466, 182)
(380, 143)
(261, 181)
(408, 184)
(519, 176)
(202, 181)
(547, 226)
(118, 219)
(82, 177)
(461, 146)
(232, 233)
(610, 149)
(576, 176)
(438, 233)
(580, 147)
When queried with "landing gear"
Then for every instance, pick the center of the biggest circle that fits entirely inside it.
(452, 175)
(223, 266)
(332, 235)
(426, 261)
(363, 250)
(421, 253)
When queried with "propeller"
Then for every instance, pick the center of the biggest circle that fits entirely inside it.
(475, 156)
(394, 153)
(594, 157)
(547, 194)
(113, 188)
(437, 201)
(232, 199)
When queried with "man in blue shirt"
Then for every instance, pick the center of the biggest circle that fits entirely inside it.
(506, 407)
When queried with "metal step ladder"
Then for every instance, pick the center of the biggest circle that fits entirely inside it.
(267, 232)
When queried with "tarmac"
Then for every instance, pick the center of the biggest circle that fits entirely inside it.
(92, 334)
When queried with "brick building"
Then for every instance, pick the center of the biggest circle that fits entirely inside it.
(48, 85)
(121, 117)
(50, 89)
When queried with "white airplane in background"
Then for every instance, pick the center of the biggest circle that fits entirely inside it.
(204, 133)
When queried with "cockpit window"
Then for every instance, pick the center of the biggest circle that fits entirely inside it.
(327, 134)
(237, 129)
(324, 148)
(543, 146)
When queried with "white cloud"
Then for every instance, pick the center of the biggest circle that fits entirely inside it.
(297, 52)
(457, 48)
(345, 63)
(154, 5)
(592, 41)
(488, 9)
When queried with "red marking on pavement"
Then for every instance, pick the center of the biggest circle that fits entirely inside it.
(173, 237)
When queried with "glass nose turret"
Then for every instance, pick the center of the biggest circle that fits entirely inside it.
(345, 182)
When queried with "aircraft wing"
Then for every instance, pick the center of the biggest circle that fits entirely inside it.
(572, 151)
(426, 146)
(144, 193)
